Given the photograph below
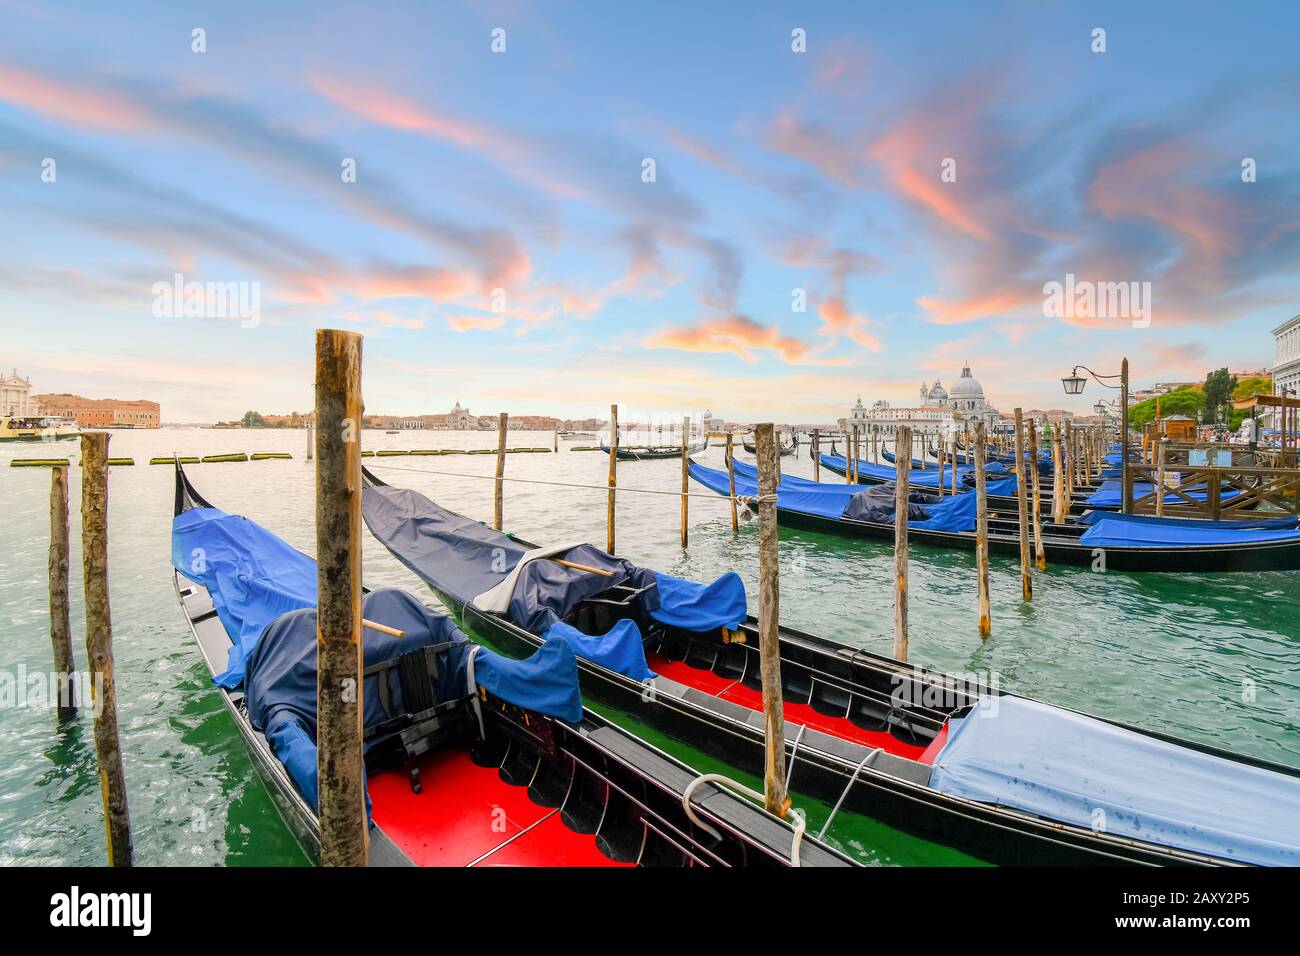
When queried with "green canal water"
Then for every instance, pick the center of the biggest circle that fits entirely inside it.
(1210, 658)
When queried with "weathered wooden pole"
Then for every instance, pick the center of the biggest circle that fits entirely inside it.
(954, 464)
(731, 482)
(344, 840)
(1125, 477)
(99, 645)
(1040, 554)
(1160, 477)
(817, 455)
(1022, 503)
(981, 533)
(613, 478)
(848, 454)
(498, 490)
(65, 664)
(769, 613)
(902, 473)
(309, 441)
(1060, 505)
(686, 476)
(555, 439)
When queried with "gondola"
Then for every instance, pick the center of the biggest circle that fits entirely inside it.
(472, 779)
(1106, 540)
(864, 733)
(652, 452)
(785, 450)
(1001, 487)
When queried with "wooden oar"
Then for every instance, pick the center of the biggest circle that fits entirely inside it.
(382, 628)
(583, 567)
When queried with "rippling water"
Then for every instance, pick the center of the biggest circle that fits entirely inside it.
(1214, 658)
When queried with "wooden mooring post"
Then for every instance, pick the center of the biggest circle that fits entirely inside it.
(981, 533)
(902, 472)
(498, 491)
(65, 664)
(769, 613)
(99, 645)
(816, 455)
(1022, 504)
(1040, 554)
(686, 477)
(344, 840)
(731, 482)
(613, 478)
(309, 440)
(1060, 506)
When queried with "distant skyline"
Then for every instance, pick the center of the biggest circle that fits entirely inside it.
(913, 181)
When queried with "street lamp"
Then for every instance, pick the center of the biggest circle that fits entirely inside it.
(1073, 384)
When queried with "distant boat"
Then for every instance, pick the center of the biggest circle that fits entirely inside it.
(390, 433)
(37, 429)
(648, 452)
(785, 450)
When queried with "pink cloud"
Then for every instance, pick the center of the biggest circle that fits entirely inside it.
(837, 320)
(69, 103)
(470, 323)
(741, 336)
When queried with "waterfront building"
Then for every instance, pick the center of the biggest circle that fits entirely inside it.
(15, 400)
(940, 412)
(1286, 365)
(101, 412)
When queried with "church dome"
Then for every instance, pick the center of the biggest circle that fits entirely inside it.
(937, 393)
(967, 387)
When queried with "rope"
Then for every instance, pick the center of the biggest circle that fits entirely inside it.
(562, 484)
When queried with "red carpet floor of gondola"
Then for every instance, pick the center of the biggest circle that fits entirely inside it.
(733, 690)
(467, 813)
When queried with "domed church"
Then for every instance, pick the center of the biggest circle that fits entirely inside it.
(940, 410)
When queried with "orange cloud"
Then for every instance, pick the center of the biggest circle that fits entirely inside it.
(738, 335)
(956, 311)
(468, 323)
(391, 109)
(838, 320)
(69, 103)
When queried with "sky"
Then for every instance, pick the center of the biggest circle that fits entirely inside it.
(764, 209)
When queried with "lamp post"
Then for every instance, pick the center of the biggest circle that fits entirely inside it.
(1073, 384)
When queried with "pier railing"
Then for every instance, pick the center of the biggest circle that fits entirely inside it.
(1215, 492)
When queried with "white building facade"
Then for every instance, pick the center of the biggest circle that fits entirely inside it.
(15, 400)
(1286, 361)
(940, 412)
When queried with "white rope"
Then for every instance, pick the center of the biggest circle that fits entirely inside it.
(799, 825)
(564, 484)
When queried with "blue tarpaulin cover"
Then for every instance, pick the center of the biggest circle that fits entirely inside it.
(264, 592)
(1092, 517)
(827, 500)
(1111, 494)
(1111, 533)
(1066, 766)
(280, 686)
(620, 649)
(950, 513)
(465, 559)
(701, 607)
(252, 575)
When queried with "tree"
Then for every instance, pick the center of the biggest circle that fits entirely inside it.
(1182, 401)
(1254, 385)
(1218, 387)
(252, 419)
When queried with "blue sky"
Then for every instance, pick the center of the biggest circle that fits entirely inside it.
(500, 246)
